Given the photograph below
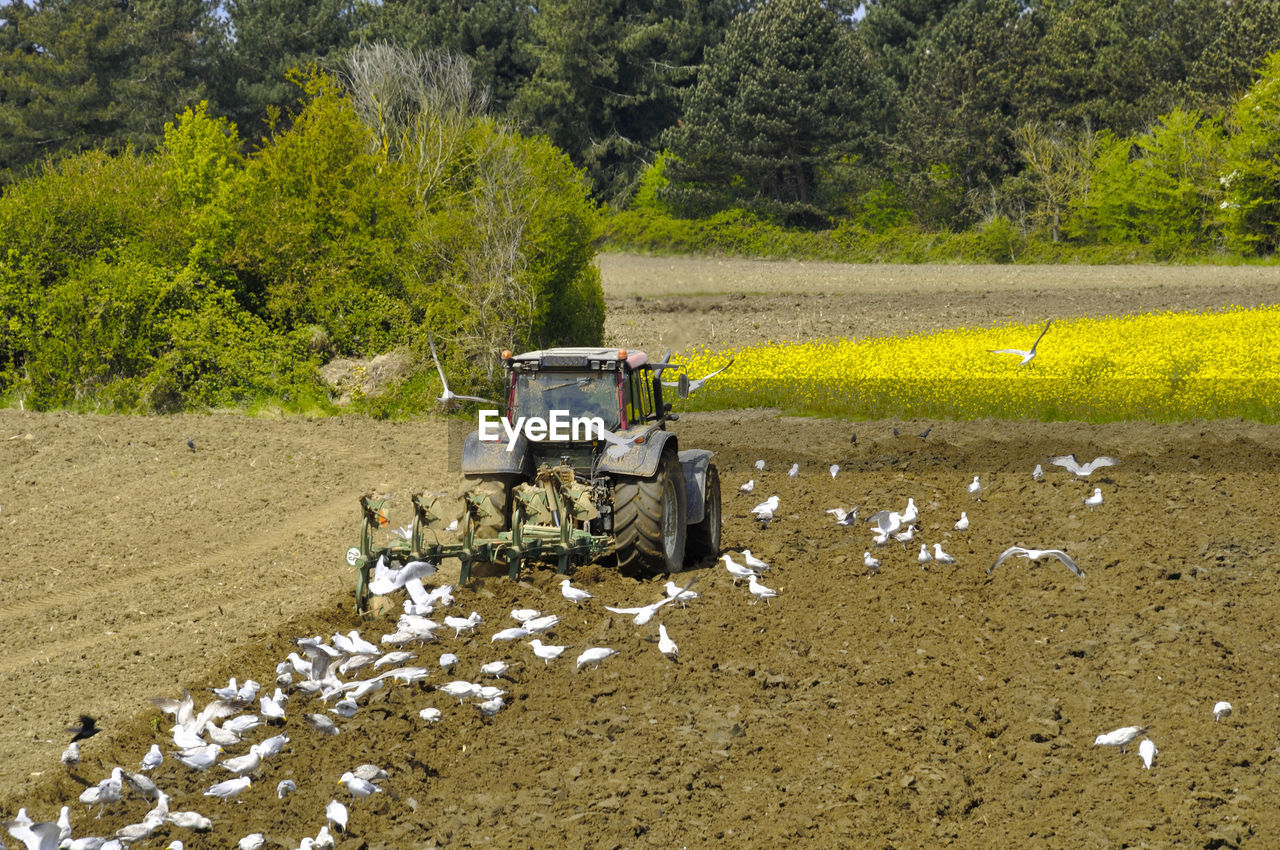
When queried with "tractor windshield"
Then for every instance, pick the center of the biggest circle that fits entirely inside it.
(579, 394)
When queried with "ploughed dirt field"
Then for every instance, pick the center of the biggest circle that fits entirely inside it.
(909, 706)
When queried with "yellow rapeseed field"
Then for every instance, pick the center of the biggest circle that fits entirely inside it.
(1158, 367)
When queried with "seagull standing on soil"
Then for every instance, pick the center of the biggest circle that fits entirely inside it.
(545, 652)
(835, 470)
(760, 466)
(758, 590)
(336, 814)
(794, 471)
(1096, 499)
(71, 755)
(682, 596)
(975, 487)
(748, 487)
(230, 788)
(1221, 710)
(870, 562)
(594, 656)
(358, 787)
(1027, 356)
(962, 524)
(1037, 473)
(575, 595)
(940, 556)
(753, 562)
(1147, 750)
(666, 645)
(738, 571)
(924, 557)
(1121, 737)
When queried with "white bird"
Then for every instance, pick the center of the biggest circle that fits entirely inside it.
(594, 655)
(152, 821)
(447, 396)
(940, 556)
(430, 714)
(1221, 710)
(686, 387)
(887, 522)
(358, 787)
(386, 580)
(242, 723)
(513, 633)
(794, 471)
(748, 487)
(760, 465)
(906, 535)
(738, 571)
(495, 668)
(975, 486)
(924, 557)
(345, 708)
(524, 615)
(371, 772)
(336, 813)
(576, 595)
(766, 509)
(1069, 463)
(271, 708)
(1121, 737)
(200, 758)
(490, 707)
(447, 661)
(459, 689)
(285, 786)
(844, 517)
(230, 788)
(546, 652)
(1036, 555)
(758, 590)
(324, 840)
(753, 562)
(272, 746)
(397, 657)
(835, 470)
(35, 836)
(681, 596)
(245, 764)
(107, 791)
(666, 645)
(1037, 473)
(463, 624)
(911, 514)
(643, 613)
(1147, 750)
(619, 445)
(1027, 356)
(1096, 499)
(253, 841)
(870, 562)
(71, 755)
(322, 724)
(962, 524)
(190, 820)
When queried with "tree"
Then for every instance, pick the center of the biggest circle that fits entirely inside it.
(493, 34)
(1243, 33)
(1250, 175)
(788, 92)
(608, 79)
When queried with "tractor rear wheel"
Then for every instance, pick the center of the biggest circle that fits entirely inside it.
(704, 538)
(649, 519)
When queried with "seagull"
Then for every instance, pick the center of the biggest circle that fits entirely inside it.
(321, 724)
(738, 571)
(911, 514)
(513, 633)
(760, 465)
(490, 707)
(576, 595)
(844, 517)
(285, 786)
(594, 656)
(924, 557)
(758, 590)
(1221, 710)
(619, 446)
(962, 524)
(940, 556)
(191, 820)
(36, 836)
(200, 758)
(685, 387)
(766, 509)
(904, 537)
(448, 660)
(975, 487)
(358, 787)
(1035, 555)
(1027, 356)
(681, 596)
(524, 615)
(447, 396)
(86, 728)
(546, 652)
(888, 522)
(253, 841)
(462, 624)
(835, 470)
(1096, 499)
(794, 471)
(153, 759)
(459, 689)
(495, 668)
(1037, 473)
(753, 562)
(431, 715)
(748, 487)
(1121, 737)
(666, 645)
(246, 764)
(1069, 463)
(1147, 750)
(71, 755)
(230, 788)
(336, 813)
(271, 707)
(644, 613)
(870, 562)
(370, 772)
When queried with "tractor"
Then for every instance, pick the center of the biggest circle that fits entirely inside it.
(580, 468)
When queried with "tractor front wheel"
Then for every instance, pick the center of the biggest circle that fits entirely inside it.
(649, 519)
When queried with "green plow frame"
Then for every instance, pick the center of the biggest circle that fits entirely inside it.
(549, 520)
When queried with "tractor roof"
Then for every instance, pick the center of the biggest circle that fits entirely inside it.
(581, 357)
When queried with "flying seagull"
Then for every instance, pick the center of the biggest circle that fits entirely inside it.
(685, 387)
(448, 396)
(1035, 555)
(1027, 356)
(1070, 464)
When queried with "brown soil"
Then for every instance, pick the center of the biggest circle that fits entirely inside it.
(904, 708)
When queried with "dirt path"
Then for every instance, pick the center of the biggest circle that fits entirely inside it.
(906, 707)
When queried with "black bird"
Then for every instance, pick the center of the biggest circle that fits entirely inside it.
(895, 432)
(853, 438)
(191, 444)
(86, 728)
(925, 433)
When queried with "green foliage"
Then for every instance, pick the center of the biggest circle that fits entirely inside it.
(1250, 181)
